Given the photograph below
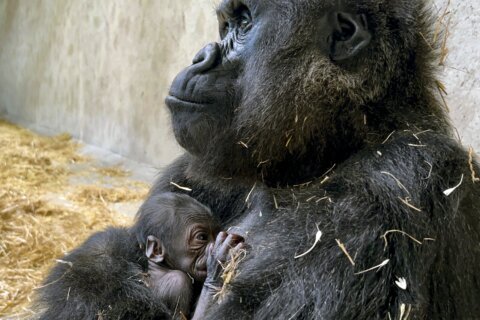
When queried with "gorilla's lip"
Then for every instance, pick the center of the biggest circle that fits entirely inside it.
(176, 102)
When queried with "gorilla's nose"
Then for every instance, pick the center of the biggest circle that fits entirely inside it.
(207, 58)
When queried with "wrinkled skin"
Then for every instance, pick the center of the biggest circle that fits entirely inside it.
(143, 272)
(177, 271)
(316, 115)
(195, 258)
(188, 250)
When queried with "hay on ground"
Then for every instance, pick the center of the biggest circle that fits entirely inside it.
(34, 229)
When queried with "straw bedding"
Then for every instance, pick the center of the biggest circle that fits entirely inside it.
(43, 214)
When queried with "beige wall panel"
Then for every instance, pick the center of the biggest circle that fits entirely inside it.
(100, 69)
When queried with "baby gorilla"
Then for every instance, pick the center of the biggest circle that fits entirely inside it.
(153, 270)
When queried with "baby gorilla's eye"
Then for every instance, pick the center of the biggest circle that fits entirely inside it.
(201, 236)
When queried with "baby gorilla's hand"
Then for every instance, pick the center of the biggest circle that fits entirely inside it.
(218, 255)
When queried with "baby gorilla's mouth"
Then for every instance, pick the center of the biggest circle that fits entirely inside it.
(202, 274)
(201, 268)
(199, 275)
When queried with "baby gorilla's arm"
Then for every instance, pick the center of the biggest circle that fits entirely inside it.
(171, 287)
(225, 247)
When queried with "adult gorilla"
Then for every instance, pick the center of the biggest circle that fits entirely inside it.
(314, 115)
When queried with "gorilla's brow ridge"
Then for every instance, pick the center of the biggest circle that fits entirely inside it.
(228, 7)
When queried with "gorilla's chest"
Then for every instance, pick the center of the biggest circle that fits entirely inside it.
(276, 233)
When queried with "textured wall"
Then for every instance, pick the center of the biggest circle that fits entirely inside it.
(100, 69)
(461, 73)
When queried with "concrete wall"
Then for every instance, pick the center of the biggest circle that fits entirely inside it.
(461, 73)
(100, 69)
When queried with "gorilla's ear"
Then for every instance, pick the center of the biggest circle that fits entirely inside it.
(154, 249)
(349, 35)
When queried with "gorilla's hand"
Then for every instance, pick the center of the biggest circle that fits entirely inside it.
(219, 255)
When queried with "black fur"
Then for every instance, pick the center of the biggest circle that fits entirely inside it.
(266, 112)
(102, 279)
(107, 276)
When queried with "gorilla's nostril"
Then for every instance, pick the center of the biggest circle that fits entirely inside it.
(207, 58)
(199, 57)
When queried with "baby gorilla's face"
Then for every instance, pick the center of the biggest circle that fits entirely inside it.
(188, 252)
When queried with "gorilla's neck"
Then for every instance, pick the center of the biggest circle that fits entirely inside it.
(293, 169)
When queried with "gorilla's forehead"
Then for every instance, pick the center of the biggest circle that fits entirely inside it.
(285, 8)
(287, 2)
(227, 6)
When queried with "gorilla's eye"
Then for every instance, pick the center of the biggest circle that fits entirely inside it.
(235, 17)
(244, 19)
(201, 236)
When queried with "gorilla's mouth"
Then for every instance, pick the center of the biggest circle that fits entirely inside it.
(200, 267)
(201, 274)
(174, 102)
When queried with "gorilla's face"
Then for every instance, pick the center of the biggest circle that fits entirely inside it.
(275, 81)
(201, 99)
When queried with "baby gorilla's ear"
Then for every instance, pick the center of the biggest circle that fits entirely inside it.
(154, 249)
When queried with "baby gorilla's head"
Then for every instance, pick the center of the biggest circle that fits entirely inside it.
(175, 230)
